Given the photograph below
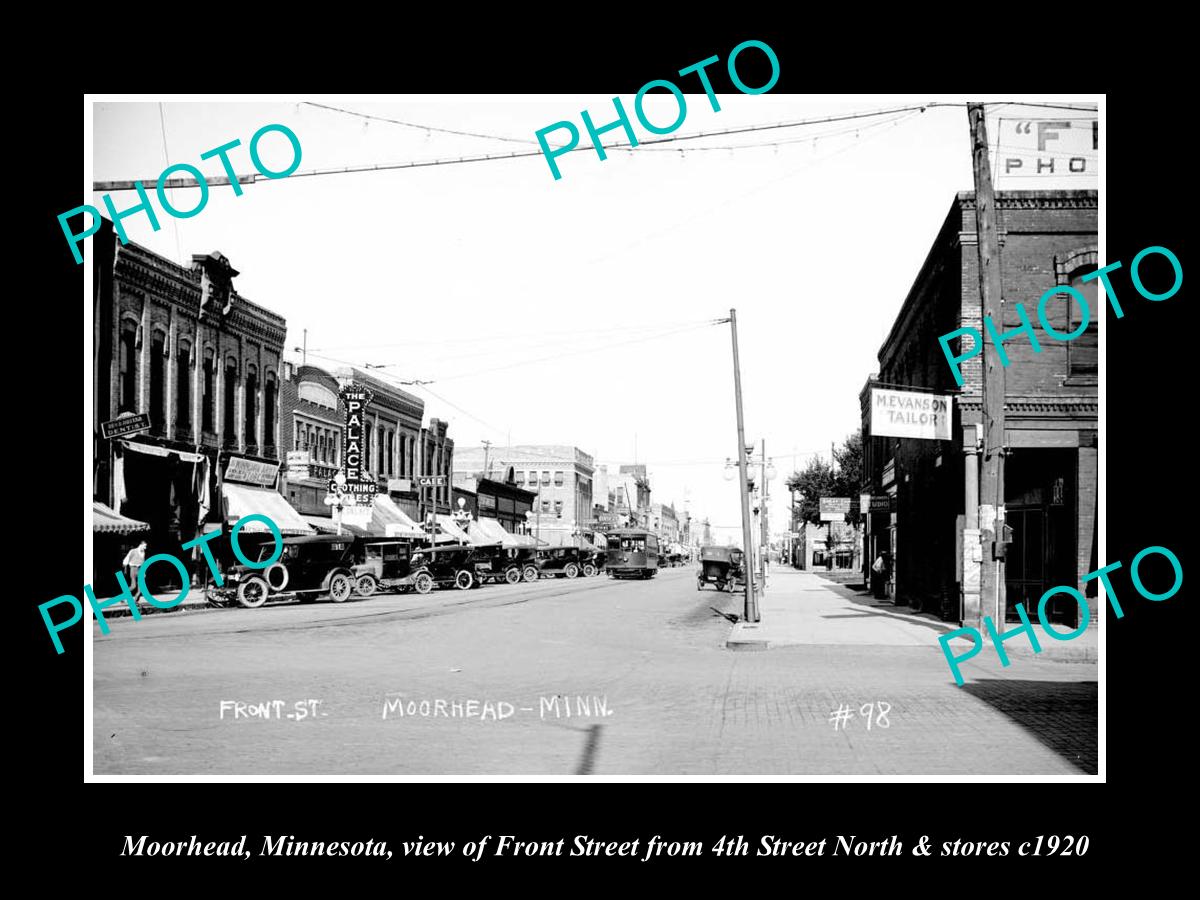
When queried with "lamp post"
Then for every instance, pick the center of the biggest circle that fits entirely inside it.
(337, 499)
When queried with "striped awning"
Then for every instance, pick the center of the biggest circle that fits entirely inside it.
(389, 519)
(491, 529)
(106, 521)
(451, 530)
(242, 500)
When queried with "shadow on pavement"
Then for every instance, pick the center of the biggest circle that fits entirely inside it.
(871, 606)
(587, 762)
(1060, 714)
(933, 624)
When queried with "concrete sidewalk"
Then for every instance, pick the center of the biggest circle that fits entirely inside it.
(803, 608)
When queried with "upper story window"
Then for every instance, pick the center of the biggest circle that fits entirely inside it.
(231, 369)
(183, 386)
(251, 404)
(269, 392)
(158, 379)
(545, 478)
(209, 398)
(128, 367)
(558, 479)
(1083, 353)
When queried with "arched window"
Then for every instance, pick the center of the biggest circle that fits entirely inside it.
(183, 388)
(251, 405)
(1083, 353)
(231, 369)
(269, 413)
(390, 449)
(128, 367)
(209, 398)
(158, 381)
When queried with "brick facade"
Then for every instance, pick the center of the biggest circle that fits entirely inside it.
(1047, 238)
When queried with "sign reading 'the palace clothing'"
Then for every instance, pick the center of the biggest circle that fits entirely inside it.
(909, 414)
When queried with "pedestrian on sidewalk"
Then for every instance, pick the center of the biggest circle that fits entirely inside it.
(133, 561)
(881, 571)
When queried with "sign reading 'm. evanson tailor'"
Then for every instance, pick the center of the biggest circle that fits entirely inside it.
(909, 414)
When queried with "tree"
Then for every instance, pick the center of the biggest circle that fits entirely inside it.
(819, 479)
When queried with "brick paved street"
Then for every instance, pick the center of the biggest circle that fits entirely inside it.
(650, 654)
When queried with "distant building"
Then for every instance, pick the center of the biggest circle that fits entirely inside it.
(497, 497)
(559, 476)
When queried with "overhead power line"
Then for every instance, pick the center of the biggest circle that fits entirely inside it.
(417, 125)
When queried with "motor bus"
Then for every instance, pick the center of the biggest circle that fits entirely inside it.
(632, 553)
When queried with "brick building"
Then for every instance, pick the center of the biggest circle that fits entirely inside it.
(559, 477)
(1046, 238)
(178, 348)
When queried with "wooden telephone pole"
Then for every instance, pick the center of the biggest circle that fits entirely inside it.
(750, 612)
(991, 482)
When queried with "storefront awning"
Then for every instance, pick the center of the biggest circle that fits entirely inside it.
(106, 521)
(451, 530)
(242, 500)
(389, 519)
(492, 530)
(154, 450)
(327, 525)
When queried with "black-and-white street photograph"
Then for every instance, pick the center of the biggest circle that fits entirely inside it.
(702, 432)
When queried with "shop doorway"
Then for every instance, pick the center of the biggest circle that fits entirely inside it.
(1040, 509)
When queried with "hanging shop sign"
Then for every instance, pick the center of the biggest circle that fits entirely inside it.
(130, 423)
(910, 414)
(251, 471)
(834, 509)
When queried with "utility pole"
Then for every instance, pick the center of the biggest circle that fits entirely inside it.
(766, 496)
(750, 613)
(487, 446)
(991, 485)
(304, 349)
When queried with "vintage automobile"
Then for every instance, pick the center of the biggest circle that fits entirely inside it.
(308, 567)
(721, 566)
(385, 564)
(446, 566)
(561, 562)
(507, 565)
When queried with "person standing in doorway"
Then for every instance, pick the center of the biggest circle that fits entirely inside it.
(133, 561)
(877, 577)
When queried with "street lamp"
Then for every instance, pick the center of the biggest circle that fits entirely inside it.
(337, 499)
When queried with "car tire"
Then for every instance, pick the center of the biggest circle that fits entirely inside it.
(530, 574)
(464, 580)
(423, 583)
(365, 585)
(571, 571)
(589, 570)
(274, 570)
(512, 575)
(253, 592)
(341, 586)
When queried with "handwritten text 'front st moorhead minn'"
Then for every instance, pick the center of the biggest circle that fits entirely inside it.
(557, 706)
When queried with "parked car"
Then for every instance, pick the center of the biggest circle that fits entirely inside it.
(506, 565)
(308, 567)
(386, 564)
(561, 562)
(723, 567)
(454, 565)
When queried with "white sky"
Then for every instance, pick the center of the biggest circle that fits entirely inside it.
(447, 272)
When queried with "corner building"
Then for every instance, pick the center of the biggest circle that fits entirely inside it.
(1047, 238)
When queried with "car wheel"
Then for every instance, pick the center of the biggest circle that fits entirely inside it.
(513, 575)
(253, 592)
(572, 570)
(366, 585)
(341, 586)
(423, 583)
(530, 574)
(589, 570)
(277, 573)
(464, 580)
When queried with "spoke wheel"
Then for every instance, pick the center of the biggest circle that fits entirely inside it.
(253, 592)
(464, 580)
(341, 586)
(513, 576)
(366, 585)
(530, 574)
(589, 570)
(423, 583)
(572, 570)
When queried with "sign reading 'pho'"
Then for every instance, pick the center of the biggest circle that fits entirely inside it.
(908, 414)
